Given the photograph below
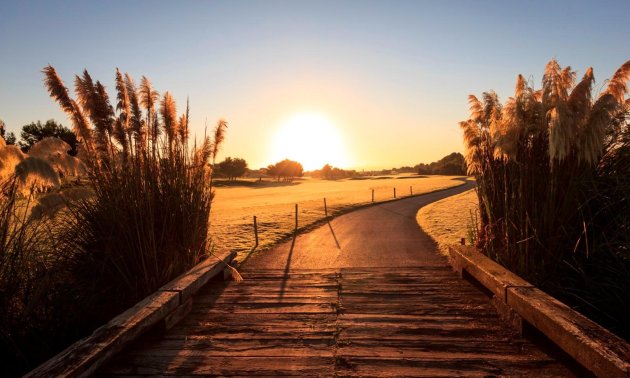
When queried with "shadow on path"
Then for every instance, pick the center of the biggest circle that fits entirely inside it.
(285, 277)
(332, 231)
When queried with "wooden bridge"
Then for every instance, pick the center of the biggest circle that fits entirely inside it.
(364, 295)
(421, 321)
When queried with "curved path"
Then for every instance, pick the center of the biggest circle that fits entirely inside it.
(364, 295)
(381, 235)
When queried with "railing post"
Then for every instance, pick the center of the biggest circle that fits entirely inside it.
(325, 208)
(372, 195)
(296, 217)
(394, 192)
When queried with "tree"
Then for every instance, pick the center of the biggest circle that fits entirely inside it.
(35, 131)
(8, 138)
(327, 171)
(232, 168)
(452, 164)
(285, 169)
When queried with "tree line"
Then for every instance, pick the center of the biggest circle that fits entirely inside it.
(36, 131)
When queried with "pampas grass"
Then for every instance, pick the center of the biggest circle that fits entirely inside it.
(151, 190)
(73, 257)
(549, 163)
(34, 173)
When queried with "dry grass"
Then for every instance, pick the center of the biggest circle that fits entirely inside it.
(449, 220)
(273, 204)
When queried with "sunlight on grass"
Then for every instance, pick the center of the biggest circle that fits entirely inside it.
(448, 220)
(232, 213)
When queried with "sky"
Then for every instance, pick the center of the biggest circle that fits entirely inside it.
(390, 78)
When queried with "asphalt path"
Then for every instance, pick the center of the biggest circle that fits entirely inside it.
(382, 235)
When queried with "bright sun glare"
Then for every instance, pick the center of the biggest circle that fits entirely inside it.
(310, 139)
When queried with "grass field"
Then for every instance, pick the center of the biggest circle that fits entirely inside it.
(273, 204)
(448, 220)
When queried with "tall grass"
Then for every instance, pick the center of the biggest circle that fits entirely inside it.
(31, 318)
(148, 221)
(144, 220)
(552, 167)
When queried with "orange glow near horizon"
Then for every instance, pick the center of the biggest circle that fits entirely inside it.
(310, 139)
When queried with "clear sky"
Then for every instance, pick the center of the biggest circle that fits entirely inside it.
(391, 77)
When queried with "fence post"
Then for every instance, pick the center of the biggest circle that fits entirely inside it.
(256, 230)
(325, 208)
(296, 217)
(372, 195)
(394, 192)
(463, 241)
(410, 191)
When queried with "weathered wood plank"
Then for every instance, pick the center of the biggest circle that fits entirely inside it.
(272, 308)
(223, 366)
(418, 367)
(211, 347)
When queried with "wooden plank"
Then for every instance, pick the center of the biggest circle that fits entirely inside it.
(243, 347)
(418, 367)
(269, 308)
(278, 320)
(492, 354)
(224, 366)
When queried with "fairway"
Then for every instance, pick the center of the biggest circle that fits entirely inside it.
(233, 208)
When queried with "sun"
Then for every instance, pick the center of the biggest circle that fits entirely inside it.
(310, 139)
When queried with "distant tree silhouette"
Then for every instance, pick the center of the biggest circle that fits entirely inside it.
(286, 170)
(35, 131)
(9, 138)
(452, 164)
(232, 168)
(327, 171)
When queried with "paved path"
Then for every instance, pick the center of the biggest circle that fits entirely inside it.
(366, 295)
(383, 235)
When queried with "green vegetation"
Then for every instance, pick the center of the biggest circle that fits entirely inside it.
(232, 168)
(142, 220)
(8, 138)
(453, 164)
(329, 172)
(287, 170)
(35, 131)
(553, 173)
